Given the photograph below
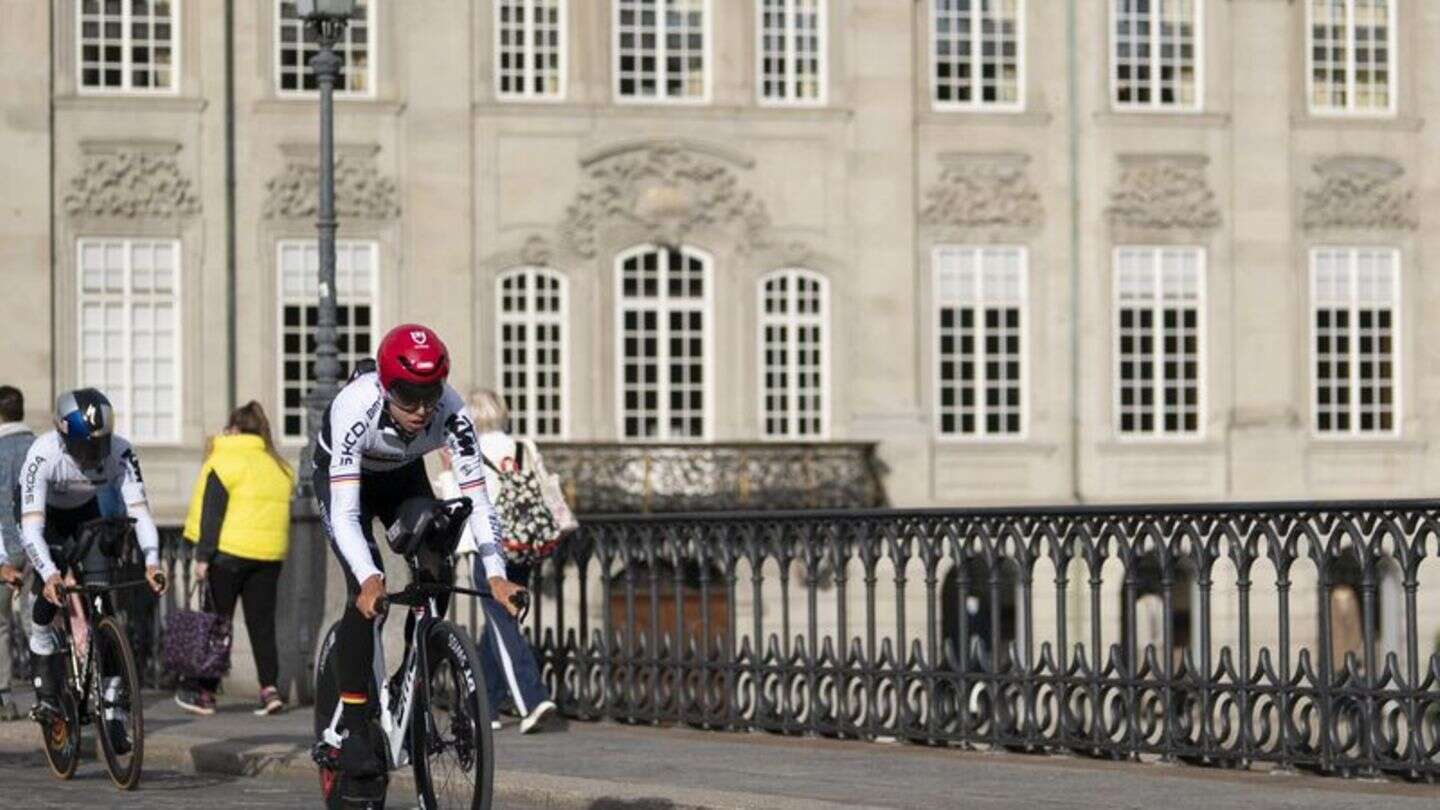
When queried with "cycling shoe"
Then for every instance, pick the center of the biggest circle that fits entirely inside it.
(361, 755)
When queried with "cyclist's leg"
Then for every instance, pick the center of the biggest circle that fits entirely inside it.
(46, 663)
(355, 639)
(409, 481)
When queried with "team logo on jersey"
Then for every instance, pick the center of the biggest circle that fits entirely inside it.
(419, 337)
(464, 434)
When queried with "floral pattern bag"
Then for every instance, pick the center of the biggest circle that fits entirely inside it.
(530, 530)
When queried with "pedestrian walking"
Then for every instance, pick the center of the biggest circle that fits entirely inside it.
(506, 658)
(15, 440)
(239, 521)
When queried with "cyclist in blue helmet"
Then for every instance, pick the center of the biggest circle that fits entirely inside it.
(60, 479)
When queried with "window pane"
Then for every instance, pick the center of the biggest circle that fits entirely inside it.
(356, 266)
(976, 52)
(980, 294)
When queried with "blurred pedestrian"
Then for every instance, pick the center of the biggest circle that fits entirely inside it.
(239, 521)
(15, 440)
(506, 658)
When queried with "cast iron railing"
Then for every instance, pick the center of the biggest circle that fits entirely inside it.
(922, 625)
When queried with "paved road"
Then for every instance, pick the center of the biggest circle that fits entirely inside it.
(26, 782)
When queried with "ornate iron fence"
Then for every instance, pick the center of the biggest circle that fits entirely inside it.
(923, 626)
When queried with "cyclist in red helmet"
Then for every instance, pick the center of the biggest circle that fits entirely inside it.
(369, 458)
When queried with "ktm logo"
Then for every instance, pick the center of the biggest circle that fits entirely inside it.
(419, 337)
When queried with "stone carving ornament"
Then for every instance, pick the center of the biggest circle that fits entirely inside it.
(131, 185)
(360, 191)
(980, 190)
(1163, 192)
(666, 190)
(1359, 192)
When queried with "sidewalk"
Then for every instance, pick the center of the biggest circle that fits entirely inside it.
(606, 765)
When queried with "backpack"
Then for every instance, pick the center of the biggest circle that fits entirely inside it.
(530, 530)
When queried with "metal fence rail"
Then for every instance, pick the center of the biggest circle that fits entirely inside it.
(853, 631)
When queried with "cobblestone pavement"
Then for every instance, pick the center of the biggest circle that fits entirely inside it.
(26, 782)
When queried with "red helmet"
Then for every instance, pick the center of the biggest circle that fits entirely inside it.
(412, 356)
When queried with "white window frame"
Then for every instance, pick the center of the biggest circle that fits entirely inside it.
(282, 301)
(1158, 433)
(1354, 433)
(127, 297)
(1392, 72)
(664, 307)
(372, 53)
(1156, 105)
(793, 320)
(981, 434)
(707, 53)
(125, 89)
(530, 319)
(790, 56)
(975, 33)
(528, 50)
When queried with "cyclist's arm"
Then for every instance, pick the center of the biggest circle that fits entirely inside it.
(34, 482)
(470, 471)
(132, 489)
(349, 423)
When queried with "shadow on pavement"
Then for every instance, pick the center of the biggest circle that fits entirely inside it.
(631, 804)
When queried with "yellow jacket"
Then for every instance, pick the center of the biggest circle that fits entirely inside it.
(244, 492)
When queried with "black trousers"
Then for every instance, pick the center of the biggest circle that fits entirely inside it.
(255, 584)
(381, 494)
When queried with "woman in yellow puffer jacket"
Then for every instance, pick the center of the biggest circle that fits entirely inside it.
(239, 521)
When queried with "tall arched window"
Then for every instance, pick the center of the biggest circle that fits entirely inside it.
(531, 304)
(662, 343)
(794, 310)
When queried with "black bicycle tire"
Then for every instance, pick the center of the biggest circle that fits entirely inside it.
(483, 796)
(130, 778)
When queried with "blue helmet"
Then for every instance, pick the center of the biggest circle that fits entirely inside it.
(85, 422)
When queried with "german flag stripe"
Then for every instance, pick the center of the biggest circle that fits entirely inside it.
(354, 698)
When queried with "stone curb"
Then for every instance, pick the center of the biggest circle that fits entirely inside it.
(241, 758)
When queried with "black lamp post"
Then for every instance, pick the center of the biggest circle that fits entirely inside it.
(303, 584)
(325, 20)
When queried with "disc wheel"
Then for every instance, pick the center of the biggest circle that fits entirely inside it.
(61, 734)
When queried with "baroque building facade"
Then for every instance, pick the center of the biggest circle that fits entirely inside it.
(1038, 251)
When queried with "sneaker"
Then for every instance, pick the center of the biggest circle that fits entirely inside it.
(535, 718)
(119, 736)
(270, 702)
(494, 725)
(195, 701)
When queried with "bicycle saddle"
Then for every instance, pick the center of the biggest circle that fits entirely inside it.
(428, 523)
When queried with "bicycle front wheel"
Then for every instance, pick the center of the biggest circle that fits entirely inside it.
(119, 712)
(450, 732)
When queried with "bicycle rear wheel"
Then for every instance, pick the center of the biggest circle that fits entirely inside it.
(62, 732)
(450, 740)
(119, 711)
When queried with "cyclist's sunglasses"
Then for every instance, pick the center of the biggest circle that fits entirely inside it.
(415, 398)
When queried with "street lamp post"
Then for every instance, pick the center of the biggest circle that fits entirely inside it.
(303, 586)
(326, 20)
